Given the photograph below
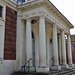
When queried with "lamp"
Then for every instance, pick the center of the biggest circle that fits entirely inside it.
(33, 21)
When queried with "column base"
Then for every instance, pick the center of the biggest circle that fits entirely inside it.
(71, 66)
(42, 69)
(74, 65)
(55, 68)
(64, 66)
(32, 69)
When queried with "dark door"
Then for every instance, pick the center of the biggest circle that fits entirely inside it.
(33, 50)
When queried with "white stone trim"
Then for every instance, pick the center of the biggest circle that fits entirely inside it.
(2, 32)
(12, 5)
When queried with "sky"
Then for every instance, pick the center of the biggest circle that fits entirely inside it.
(67, 8)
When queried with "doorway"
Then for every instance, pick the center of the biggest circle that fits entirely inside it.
(51, 53)
(33, 50)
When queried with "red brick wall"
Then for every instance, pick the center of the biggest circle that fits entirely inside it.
(74, 51)
(10, 35)
(73, 38)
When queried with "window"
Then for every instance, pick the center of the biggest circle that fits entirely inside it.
(1, 9)
(20, 0)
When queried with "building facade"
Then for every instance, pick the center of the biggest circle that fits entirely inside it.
(33, 29)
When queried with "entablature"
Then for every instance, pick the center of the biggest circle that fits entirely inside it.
(42, 11)
(10, 3)
(50, 12)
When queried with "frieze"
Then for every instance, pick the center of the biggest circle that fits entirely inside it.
(47, 14)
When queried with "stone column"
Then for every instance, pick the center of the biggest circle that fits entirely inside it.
(63, 46)
(42, 46)
(69, 51)
(60, 56)
(42, 41)
(28, 40)
(55, 50)
(20, 43)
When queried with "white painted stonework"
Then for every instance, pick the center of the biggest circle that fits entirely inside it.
(7, 67)
(2, 32)
(48, 26)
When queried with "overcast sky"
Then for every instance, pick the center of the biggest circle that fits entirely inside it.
(67, 8)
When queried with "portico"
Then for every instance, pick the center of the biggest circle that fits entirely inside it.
(48, 27)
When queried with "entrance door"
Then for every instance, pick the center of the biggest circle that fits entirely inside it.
(33, 50)
(51, 53)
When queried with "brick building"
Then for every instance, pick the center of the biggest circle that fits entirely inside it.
(33, 29)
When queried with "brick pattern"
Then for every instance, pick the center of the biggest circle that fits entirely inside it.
(10, 35)
(73, 38)
(74, 51)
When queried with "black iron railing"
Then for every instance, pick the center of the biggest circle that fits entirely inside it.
(25, 67)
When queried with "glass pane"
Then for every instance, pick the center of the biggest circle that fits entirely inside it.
(20, 0)
(0, 11)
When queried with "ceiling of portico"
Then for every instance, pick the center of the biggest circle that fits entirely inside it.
(48, 25)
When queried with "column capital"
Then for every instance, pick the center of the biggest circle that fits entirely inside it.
(54, 25)
(62, 30)
(23, 20)
(68, 34)
(42, 17)
(59, 36)
(29, 19)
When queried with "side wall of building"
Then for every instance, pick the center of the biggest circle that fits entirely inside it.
(7, 66)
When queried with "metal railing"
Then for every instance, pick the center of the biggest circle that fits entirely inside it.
(25, 67)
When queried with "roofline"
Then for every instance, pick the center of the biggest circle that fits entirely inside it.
(56, 10)
(61, 14)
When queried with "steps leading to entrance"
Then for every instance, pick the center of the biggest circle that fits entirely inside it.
(62, 72)
(29, 73)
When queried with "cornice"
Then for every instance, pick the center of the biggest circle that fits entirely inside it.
(60, 15)
(11, 4)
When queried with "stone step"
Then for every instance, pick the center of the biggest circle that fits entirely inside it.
(70, 73)
(66, 72)
(61, 72)
(55, 72)
(29, 73)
